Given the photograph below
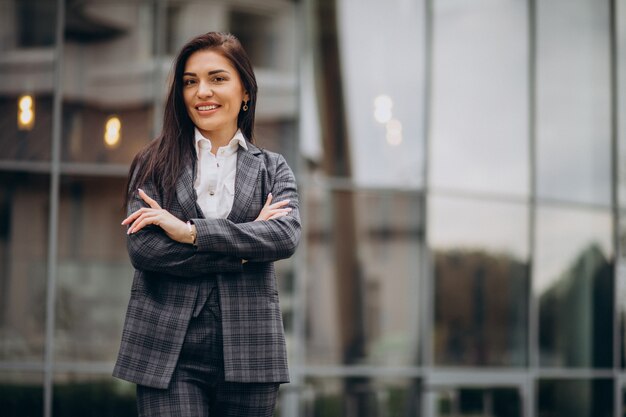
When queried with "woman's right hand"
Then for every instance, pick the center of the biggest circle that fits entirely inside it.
(273, 211)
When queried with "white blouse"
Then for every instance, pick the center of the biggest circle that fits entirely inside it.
(215, 175)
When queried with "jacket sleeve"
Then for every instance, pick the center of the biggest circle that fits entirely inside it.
(150, 249)
(260, 241)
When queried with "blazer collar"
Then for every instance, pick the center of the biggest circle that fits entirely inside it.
(246, 179)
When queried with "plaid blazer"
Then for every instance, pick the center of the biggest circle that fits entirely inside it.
(168, 273)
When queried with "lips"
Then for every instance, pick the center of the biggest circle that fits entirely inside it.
(206, 107)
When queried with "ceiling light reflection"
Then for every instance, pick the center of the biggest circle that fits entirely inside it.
(112, 131)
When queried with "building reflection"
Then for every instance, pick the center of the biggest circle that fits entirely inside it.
(577, 313)
(481, 310)
(459, 198)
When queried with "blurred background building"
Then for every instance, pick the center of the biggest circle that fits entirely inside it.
(461, 167)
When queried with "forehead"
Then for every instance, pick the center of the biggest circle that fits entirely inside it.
(208, 60)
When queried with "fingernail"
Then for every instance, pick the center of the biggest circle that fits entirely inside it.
(139, 189)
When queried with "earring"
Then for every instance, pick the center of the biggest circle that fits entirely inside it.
(245, 106)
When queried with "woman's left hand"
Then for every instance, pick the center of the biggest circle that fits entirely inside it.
(175, 228)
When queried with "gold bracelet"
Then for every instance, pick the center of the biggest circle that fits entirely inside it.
(191, 233)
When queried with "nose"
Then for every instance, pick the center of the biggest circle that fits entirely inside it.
(204, 89)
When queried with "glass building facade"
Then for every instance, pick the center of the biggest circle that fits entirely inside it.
(462, 175)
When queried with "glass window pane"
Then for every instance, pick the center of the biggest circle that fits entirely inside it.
(108, 81)
(94, 272)
(383, 83)
(573, 279)
(92, 395)
(24, 202)
(362, 264)
(27, 36)
(362, 397)
(575, 398)
(481, 281)
(480, 130)
(34, 22)
(21, 393)
(471, 402)
(573, 100)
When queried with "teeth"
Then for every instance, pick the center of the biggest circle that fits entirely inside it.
(207, 107)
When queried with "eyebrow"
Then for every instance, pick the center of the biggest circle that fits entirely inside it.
(210, 72)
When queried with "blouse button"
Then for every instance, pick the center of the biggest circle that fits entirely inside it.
(211, 192)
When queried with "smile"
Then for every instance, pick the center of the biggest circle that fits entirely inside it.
(205, 108)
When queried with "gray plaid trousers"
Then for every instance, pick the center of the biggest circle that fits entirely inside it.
(197, 388)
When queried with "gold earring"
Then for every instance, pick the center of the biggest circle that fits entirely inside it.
(245, 106)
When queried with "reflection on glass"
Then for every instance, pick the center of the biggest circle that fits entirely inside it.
(383, 78)
(573, 277)
(481, 281)
(575, 398)
(92, 395)
(23, 264)
(573, 100)
(620, 10)
(25, 139)
(480, 96)
(94, 273)
(21, 394)
(108, 70)
(89, 136)
(360, 397)
(27, 31)
(361, 270)
(620, 279)
(620, 21)
(470, 402)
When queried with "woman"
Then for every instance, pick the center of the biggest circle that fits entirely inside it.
(203, 333)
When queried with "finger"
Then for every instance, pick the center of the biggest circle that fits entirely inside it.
(269, 200)
(142, 222)
(280, 210)
(133, 216)
(277, 215)
(279, 204)
(273, 212)
(147, 199)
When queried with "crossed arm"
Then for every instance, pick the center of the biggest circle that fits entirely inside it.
(164, 244)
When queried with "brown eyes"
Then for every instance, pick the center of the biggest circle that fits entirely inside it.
(216, 80)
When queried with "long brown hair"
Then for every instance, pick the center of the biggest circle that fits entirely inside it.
(162, 160)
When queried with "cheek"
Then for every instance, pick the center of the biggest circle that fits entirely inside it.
(186, 98)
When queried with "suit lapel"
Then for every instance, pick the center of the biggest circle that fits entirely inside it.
(186, 194)
(246, 182)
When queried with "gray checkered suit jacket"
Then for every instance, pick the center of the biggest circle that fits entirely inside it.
(167, 276)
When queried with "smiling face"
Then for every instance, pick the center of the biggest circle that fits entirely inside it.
(213, 95)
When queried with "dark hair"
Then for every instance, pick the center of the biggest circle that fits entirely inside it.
(163, 159)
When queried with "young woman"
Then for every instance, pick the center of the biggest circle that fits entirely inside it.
(203, 334)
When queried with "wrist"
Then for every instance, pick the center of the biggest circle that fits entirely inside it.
(192, 235)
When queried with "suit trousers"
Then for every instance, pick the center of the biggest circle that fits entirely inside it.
(197, 388)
